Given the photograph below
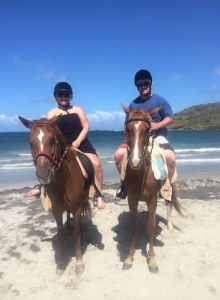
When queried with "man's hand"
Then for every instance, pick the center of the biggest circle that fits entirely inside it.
(155, 126)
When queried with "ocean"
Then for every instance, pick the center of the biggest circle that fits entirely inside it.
(197, 153)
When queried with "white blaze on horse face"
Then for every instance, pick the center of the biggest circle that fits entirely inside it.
(40, 138)
(136, 156)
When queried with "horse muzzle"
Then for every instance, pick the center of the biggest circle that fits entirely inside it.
(135, 163)
(44, 175)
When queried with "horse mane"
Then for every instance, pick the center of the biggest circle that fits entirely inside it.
(52, 124)
(40, 122)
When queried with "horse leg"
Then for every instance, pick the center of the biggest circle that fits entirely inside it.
(133, 217)
(152, 264)
(61, 242)
(68, 227)
(169, 215)
(77, 237)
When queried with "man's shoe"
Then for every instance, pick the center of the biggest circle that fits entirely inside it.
(121, 192)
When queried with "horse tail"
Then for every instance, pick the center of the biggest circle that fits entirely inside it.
(86, 209)
(175, 202)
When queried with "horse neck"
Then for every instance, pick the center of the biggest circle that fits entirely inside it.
(70, 159)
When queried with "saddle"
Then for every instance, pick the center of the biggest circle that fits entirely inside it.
(88, 172)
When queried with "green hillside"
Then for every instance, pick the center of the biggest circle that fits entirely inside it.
(198, 117)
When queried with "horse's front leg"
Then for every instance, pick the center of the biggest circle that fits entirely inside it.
(77, 237)
(152, 264)
(169, 215)
(133, 204)
(61, 241)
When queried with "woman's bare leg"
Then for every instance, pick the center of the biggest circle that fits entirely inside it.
(99, 176)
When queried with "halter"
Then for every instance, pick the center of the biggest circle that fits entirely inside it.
(144, 149)
(148, 135)
(56, 158)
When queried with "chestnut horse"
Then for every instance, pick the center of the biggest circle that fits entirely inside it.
(139, 180)
(58, 171)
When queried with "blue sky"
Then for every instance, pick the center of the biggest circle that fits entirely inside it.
(98, 46)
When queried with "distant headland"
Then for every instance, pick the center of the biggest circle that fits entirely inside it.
(198, 117)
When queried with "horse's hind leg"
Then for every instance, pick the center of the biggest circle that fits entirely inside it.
(169, 215)
(68, 226)
(152, 264)
(61, 242)
(77, 237)
(133, 211)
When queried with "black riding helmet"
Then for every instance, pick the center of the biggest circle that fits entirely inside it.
(62, 86)
(142, 75)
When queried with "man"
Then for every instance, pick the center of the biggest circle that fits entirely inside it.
(148, 100)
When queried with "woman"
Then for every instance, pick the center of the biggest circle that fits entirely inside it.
(74, 125)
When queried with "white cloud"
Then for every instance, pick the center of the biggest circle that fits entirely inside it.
(12, 124)
(99, 120)
(214, 89)
(47, 74)
(175, 78)
(43, 69)
(8, 120)
(103, 120)
(217, 70)
(62, 78)
(21, 62)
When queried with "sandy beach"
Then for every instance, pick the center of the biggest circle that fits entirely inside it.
(188, 258)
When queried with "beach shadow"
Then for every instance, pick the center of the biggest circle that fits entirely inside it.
(90, 235)
(122, 229)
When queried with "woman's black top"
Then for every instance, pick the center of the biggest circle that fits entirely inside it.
(71, 127)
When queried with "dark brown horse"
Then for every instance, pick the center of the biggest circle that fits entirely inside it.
(58, 171)
(139, 181)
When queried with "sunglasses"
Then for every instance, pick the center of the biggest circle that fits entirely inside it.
(63, 94)
(143, 84)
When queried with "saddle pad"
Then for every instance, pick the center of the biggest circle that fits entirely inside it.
(87, 171)
(158, 161)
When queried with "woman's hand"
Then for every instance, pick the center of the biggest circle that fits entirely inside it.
(76, 144)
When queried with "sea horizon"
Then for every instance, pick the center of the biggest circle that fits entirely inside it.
(197, 155)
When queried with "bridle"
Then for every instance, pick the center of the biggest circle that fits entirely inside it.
(144, 159)
(147, 138)
(56, 158)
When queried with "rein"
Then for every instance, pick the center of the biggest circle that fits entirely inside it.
(56, 158)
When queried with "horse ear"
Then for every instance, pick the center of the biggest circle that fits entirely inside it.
(125, 108)
(25, 122)
(154, 111)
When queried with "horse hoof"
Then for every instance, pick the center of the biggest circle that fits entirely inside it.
(153, 269)
(126, 267)
(80, 269)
